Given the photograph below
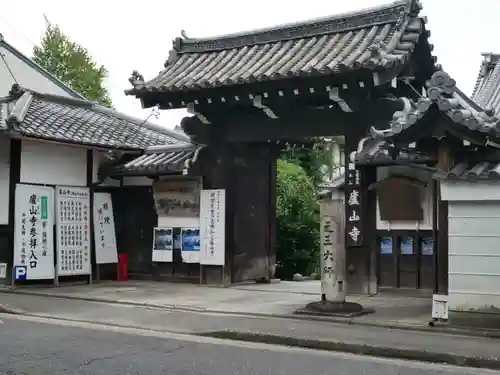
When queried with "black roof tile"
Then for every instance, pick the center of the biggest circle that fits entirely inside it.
(443, 94)
(487, 89)
(83, 122)
(160, 160)
(471, 172)
(373, 38)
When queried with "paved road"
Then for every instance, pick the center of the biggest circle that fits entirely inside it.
(38, 346)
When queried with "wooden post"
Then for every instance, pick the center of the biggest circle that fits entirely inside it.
(444, 163)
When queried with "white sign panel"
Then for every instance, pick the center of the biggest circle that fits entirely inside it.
(33, 236)
(163, 244)
(3, 270)
(73, 231)
(213, 227)
(104, 230)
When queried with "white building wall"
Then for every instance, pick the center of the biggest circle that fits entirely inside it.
(426, 198)
(474, 253)
(4, 179)
(53, 164)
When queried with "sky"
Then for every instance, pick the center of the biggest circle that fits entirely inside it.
(131, 36)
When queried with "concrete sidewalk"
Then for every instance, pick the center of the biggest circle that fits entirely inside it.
(424, 346)
(279, 300)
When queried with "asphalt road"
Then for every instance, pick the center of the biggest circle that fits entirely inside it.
(40, 346)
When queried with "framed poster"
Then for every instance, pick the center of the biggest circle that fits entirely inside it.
(73, 231)
(33, 232)
(163, 244)
(385, 245)
(427, 245)
(104, 230)
(190, 245)
(406, 245)
(213, 227)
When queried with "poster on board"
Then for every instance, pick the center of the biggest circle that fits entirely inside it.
(73, 230)
(386, 245)
(427, 246)
(190, 245)
(163, 244)
(33, 233)
(213, 227)
(104, 230)
(406, 245)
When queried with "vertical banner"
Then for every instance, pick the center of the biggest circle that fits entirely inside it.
(190, 245)
(213, 227)
(33, 233)
(354, 207)
(104, 230)
(163, 244)
(73, 231)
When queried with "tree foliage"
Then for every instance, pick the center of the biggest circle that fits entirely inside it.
(72, 64)
(297, 221)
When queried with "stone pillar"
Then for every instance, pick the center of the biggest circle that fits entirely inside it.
(333, 266)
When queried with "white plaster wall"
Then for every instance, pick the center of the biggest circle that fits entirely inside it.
(26, 76)
(474, 256)
(466, 191)
(53, 164)
(426, 223)
(4, 180)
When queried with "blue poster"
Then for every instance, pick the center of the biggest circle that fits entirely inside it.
(406, 245)
(427, 246)
(190, 239)
(386, 245)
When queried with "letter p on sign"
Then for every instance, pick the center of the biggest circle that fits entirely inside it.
(20, 272)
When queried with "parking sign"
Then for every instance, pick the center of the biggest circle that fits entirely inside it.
(20, 273)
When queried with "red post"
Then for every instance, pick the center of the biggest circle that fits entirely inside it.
(123, 267)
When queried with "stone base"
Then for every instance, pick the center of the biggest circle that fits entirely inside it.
(328, 308)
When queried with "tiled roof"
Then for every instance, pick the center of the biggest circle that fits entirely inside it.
(373, 38)
(161, 160)
(380, 151)
(70, 120)
(487, 90)
(471, 172)
(443, 94)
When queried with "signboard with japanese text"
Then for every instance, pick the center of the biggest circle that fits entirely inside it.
(163, 244)
(354, 207)
(33, 232)
(213, 227)
(104, 230)
(73, 230)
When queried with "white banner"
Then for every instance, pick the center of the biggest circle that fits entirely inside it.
(163, 244)
(73, 230)
(33, 232)
(213, 227)
(104, 229)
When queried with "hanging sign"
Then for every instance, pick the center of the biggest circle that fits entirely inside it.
(177, 198)
(73, 231)
(104, 230)
(213, 227)
(163, 244)
(354, 207)
(33, 238)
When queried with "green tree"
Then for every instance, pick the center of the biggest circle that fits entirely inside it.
(297, 221)
(72, 64)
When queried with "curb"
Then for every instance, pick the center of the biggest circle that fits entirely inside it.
(4, 309)
(360, 349)
(473, 332)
